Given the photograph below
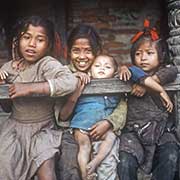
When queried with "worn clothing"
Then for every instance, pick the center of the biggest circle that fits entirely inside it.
(68, 160)
(146, 123)
(67, 166)
(108, 168)
(28, 137)
(91, 109)
(164, 166)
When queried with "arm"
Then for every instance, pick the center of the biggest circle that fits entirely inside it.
(69, 106)
(166, 74)
(28, 89)
(57, 80)
(138, 75)
(150, 83)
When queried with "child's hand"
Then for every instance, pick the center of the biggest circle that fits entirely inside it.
(166, 101)
(76, 94)
(19, 90)
(3, 76)
(138, 90)
(85, 78)
(99, 129)
(124, 73)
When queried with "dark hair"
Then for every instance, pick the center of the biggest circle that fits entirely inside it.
(23, 24)
(161, 47)
(88, 32)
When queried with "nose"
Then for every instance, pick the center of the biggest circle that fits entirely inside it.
(32, 42)
(144, 56)
(82, 55)
(102, 68)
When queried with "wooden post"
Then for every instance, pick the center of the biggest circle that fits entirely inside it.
(173, 7)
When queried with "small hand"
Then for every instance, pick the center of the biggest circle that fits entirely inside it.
(99, 129)
(76, 94)
(166, 101)
(138, 90)
(84, 77)
(19, 90)
(3, 76)
(124, 73)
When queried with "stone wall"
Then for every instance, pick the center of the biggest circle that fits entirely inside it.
(117, 21)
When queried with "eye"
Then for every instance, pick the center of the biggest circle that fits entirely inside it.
(41, 40)
(75, 51)
(96, 65)
(137, 53)
(108, 67)
(150, 52)
(88, 51)
(26, 36)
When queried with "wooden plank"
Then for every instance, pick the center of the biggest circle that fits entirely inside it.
(104, 87)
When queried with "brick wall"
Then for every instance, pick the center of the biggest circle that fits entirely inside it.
(117, 21)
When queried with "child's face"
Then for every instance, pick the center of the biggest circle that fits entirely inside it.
(33, 44)
(103, 67)
(81, 55)
(146, 57)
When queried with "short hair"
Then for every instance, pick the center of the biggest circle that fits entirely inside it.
(161, 47)
(87, 32)
(23, 24)
(112, 59)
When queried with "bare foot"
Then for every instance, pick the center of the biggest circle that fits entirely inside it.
(92, 176)
(91, 167)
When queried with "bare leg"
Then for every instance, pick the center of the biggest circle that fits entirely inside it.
(104, 149)
(84, 151)
(47, 170)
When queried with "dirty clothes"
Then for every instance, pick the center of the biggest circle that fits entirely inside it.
(28, 137)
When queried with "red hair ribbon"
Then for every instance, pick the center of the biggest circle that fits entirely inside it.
(147, 30)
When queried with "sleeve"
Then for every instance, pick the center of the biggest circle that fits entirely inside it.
(167, 74)
(118, 117)
(137, 73)
(61, 80)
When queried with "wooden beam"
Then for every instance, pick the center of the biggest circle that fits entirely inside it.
(104, 87)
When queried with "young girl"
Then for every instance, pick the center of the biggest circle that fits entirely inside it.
(146, 140)
(84, 45)
(28, 139)
(89, 110)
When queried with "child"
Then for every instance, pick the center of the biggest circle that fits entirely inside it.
(28, 139)
(92, 109)
(84, 44)
(88, 111)
(145, 139)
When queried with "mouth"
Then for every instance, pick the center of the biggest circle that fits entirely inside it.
(30, 52)
(101, 73)
(144, 64)
(82, 64)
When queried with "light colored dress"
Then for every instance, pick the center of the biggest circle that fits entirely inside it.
(28, 137)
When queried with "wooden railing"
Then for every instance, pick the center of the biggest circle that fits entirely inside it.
(116, 86)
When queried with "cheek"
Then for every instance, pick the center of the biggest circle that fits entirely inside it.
(136, 61)
(43, 49)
